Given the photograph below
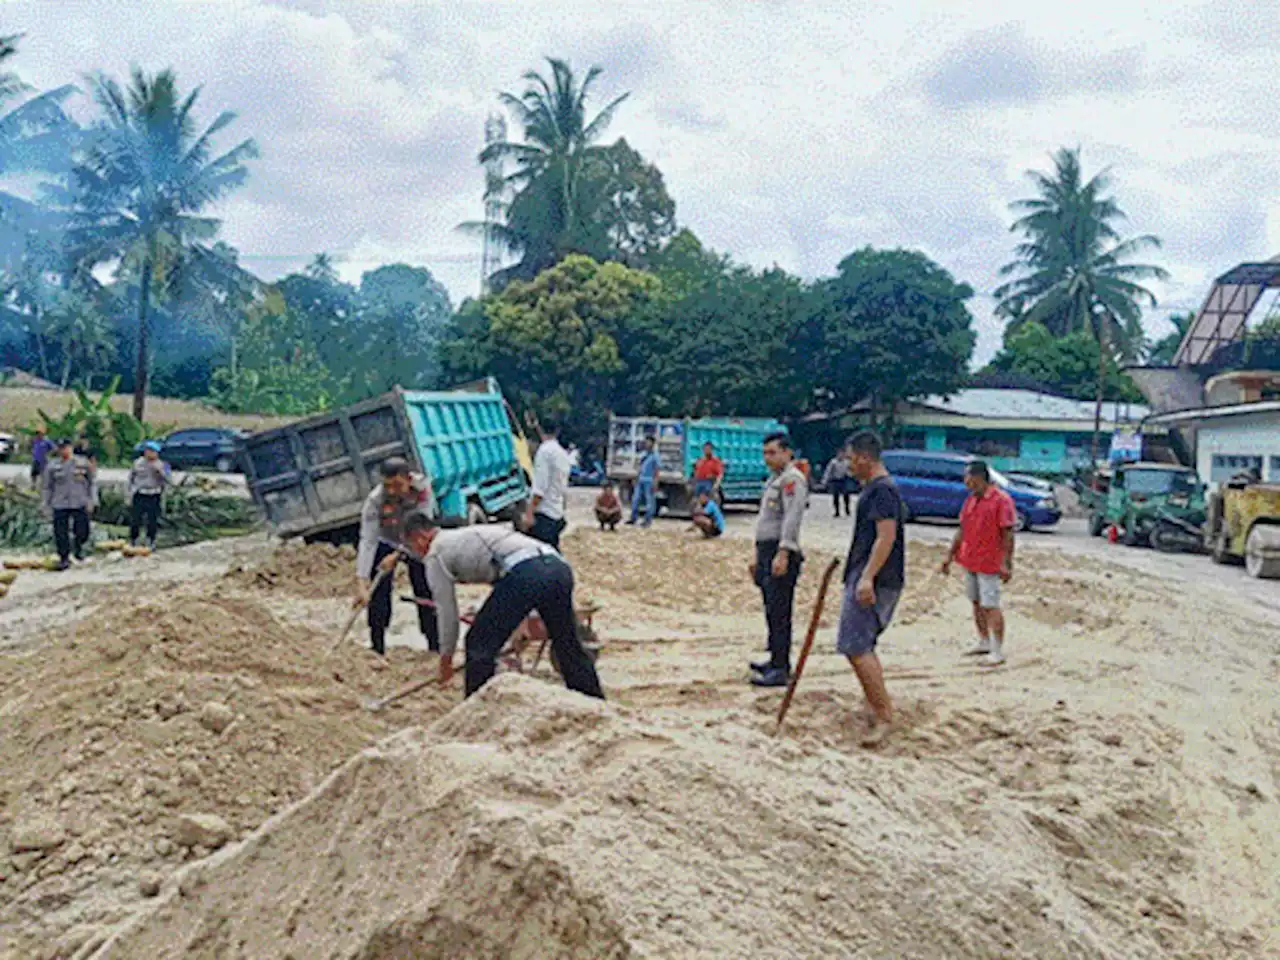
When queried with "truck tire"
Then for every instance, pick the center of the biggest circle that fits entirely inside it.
(1263, 538)
(1220, 551)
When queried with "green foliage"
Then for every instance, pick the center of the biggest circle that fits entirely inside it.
(109, 434)
(194, 511)
(554, 342)
(1066, 365)
(21, 524)
(891, 325)
(1073, 271)
(1163, 350)
(278, 371)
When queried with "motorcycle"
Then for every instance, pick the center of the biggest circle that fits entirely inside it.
(1177, 531)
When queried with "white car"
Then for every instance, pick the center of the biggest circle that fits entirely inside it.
(7, 446)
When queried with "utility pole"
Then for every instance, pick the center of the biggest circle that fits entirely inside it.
(495, 131)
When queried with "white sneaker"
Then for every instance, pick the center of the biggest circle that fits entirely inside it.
(981, 649)
(994, 658)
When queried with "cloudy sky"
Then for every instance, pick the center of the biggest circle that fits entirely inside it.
(788, 132)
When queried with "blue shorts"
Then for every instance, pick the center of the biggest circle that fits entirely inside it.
(860, 627)
(703, 486)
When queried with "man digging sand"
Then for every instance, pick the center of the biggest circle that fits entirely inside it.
(526, 574)
(874, 576)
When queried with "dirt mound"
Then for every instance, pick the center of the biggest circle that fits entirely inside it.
(530, 822)
(200, 703)
(313, 571)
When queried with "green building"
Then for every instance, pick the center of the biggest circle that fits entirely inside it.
(1017, 431)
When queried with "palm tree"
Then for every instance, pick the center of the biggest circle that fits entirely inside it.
(545, 218)
(139, 189)
(1073, 271)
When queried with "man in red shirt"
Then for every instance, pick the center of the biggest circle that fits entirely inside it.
(984, 547)
(708, 471)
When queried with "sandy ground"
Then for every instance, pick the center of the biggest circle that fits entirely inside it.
(1113, 791)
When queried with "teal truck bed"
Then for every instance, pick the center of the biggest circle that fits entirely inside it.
(311, 477)
(739, 442)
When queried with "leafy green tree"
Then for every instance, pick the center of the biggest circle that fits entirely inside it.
(82, 332)
(1073, 271)
(1066, 365)
(141, 184)
(279, 370)
(891, 325)
(553, 342)
(403, 311)
(548, 216)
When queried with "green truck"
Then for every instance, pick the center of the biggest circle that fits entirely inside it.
(739, 442)
(1139, 494)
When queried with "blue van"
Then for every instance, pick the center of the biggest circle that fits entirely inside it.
(932, 485)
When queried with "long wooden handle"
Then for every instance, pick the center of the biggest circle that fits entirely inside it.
(808, 643)
(376, 705)
(373, 585)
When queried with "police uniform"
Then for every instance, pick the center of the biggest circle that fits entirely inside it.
(382, 534)
(527, 575)
(778, 528)
(70, 490)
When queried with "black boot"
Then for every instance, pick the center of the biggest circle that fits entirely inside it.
(773, 677)
(378, 640)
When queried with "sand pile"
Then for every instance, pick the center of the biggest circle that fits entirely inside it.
(313, 571)
(532, 823)
(200, 703)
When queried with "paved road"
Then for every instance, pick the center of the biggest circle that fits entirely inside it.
(10, 472)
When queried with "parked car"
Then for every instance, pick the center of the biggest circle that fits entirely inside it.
(1030, 482)
(7, 446)
(932, 485)
(211, 447)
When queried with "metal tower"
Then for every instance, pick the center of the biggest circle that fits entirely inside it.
(495, 131)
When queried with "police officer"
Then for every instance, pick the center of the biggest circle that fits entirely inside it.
(401, 494)
(70, 495)
(776, 567)
(527, 575)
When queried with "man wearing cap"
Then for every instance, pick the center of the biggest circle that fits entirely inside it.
(70, 495)
(401, 494)
(147, 481)
(526, 574)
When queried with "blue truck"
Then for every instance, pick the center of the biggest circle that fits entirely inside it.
(739, 442)
(311, 477)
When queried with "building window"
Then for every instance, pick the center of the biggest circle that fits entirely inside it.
(1226, 466)
(1275, 470)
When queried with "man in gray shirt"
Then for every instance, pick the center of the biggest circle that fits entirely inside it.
(776, 567)
(401, 494)
(70, 495)
(527, 575)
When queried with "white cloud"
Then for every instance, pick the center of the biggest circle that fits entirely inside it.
(788, 132)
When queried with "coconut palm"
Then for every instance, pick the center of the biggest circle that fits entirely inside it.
(138, 192)
(544, 218)
(1074, 271)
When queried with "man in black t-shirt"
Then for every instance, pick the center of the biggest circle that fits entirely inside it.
(874, 576)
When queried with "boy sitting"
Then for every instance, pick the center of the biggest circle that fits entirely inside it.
(708, 517)
(608, 507)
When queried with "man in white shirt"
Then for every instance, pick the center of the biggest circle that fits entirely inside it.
(527, 575)
(544, 520)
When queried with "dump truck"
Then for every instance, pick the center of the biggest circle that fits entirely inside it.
(739, 442)
(311, 477)
(1244, 524)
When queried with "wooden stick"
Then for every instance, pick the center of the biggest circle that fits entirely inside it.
(377, 580)
(374, 706)
(808, 643)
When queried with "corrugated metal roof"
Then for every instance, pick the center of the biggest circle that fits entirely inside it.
(999, 404)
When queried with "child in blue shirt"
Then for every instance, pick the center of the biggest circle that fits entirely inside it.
(708, 518)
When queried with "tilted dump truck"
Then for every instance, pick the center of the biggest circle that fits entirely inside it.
(739, 442)
(311, 477)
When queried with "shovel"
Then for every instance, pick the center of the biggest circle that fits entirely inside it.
(808, 643)
(351, 620)
(374, 704)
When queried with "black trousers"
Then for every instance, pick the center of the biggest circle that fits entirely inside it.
(544, 584)
(380, 603)
(146, 509)
(547, 530)
(779, 595)
(69, 525)
(840, 492)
